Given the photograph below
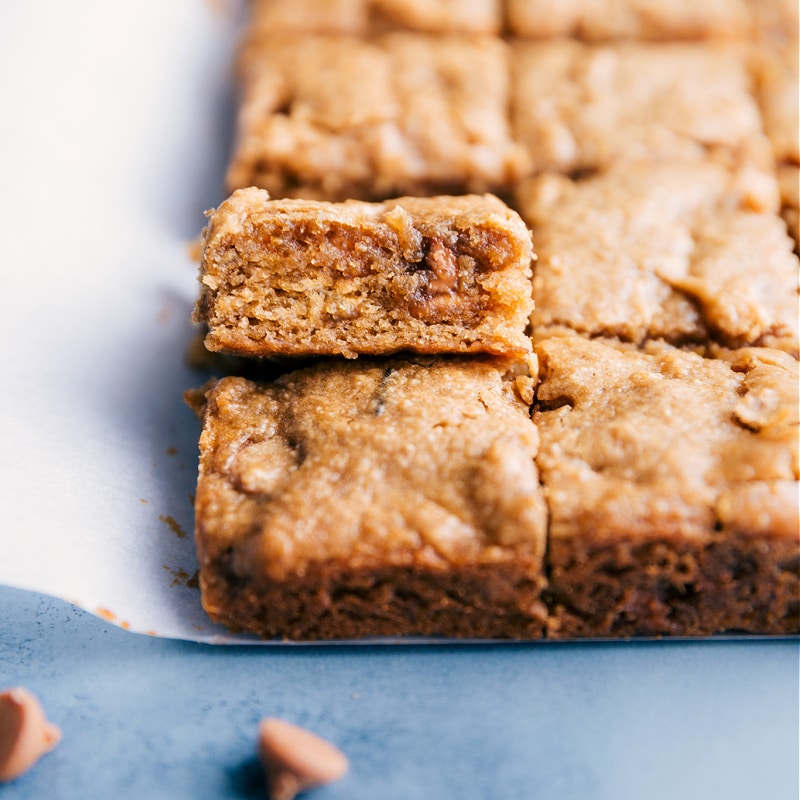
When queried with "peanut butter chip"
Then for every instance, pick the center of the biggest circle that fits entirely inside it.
(442, 261)
(25, 734)
(295, 759)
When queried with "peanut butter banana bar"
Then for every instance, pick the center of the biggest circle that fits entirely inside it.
(337, 117)
(578, 107)
(672, 486)
(430, 275)
(669, 250)
(357, 499)
(370, 16)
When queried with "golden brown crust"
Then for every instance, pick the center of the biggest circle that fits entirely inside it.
(670, 250)
(431, 275)
(580, 107)
(336, 117)
(373, 499)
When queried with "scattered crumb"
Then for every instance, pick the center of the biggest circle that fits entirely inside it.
(171, 451)
(178, 576)
(295, 759)
(25, 733)
(194, 581)
(143, 501)
(173, 525)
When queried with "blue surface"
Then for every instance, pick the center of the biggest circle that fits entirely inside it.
(153, 718)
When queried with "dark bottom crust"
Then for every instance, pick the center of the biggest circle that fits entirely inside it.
(496, 601)
(674, 589)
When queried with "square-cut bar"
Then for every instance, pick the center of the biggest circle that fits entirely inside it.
(357, 499)
(579, 107)
(683, 251)
(370, 16)
(338, 117)
(671, 481)
(431, 275)
(599, 20)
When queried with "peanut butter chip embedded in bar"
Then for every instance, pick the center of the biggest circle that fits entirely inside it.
(430, 275)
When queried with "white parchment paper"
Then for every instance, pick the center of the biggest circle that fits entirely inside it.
(114, 133)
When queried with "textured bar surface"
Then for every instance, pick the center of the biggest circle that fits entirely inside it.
(578, 107)
(337, 117)
(371, 16)
(629, 19)
(672, 486)
(670, 250)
